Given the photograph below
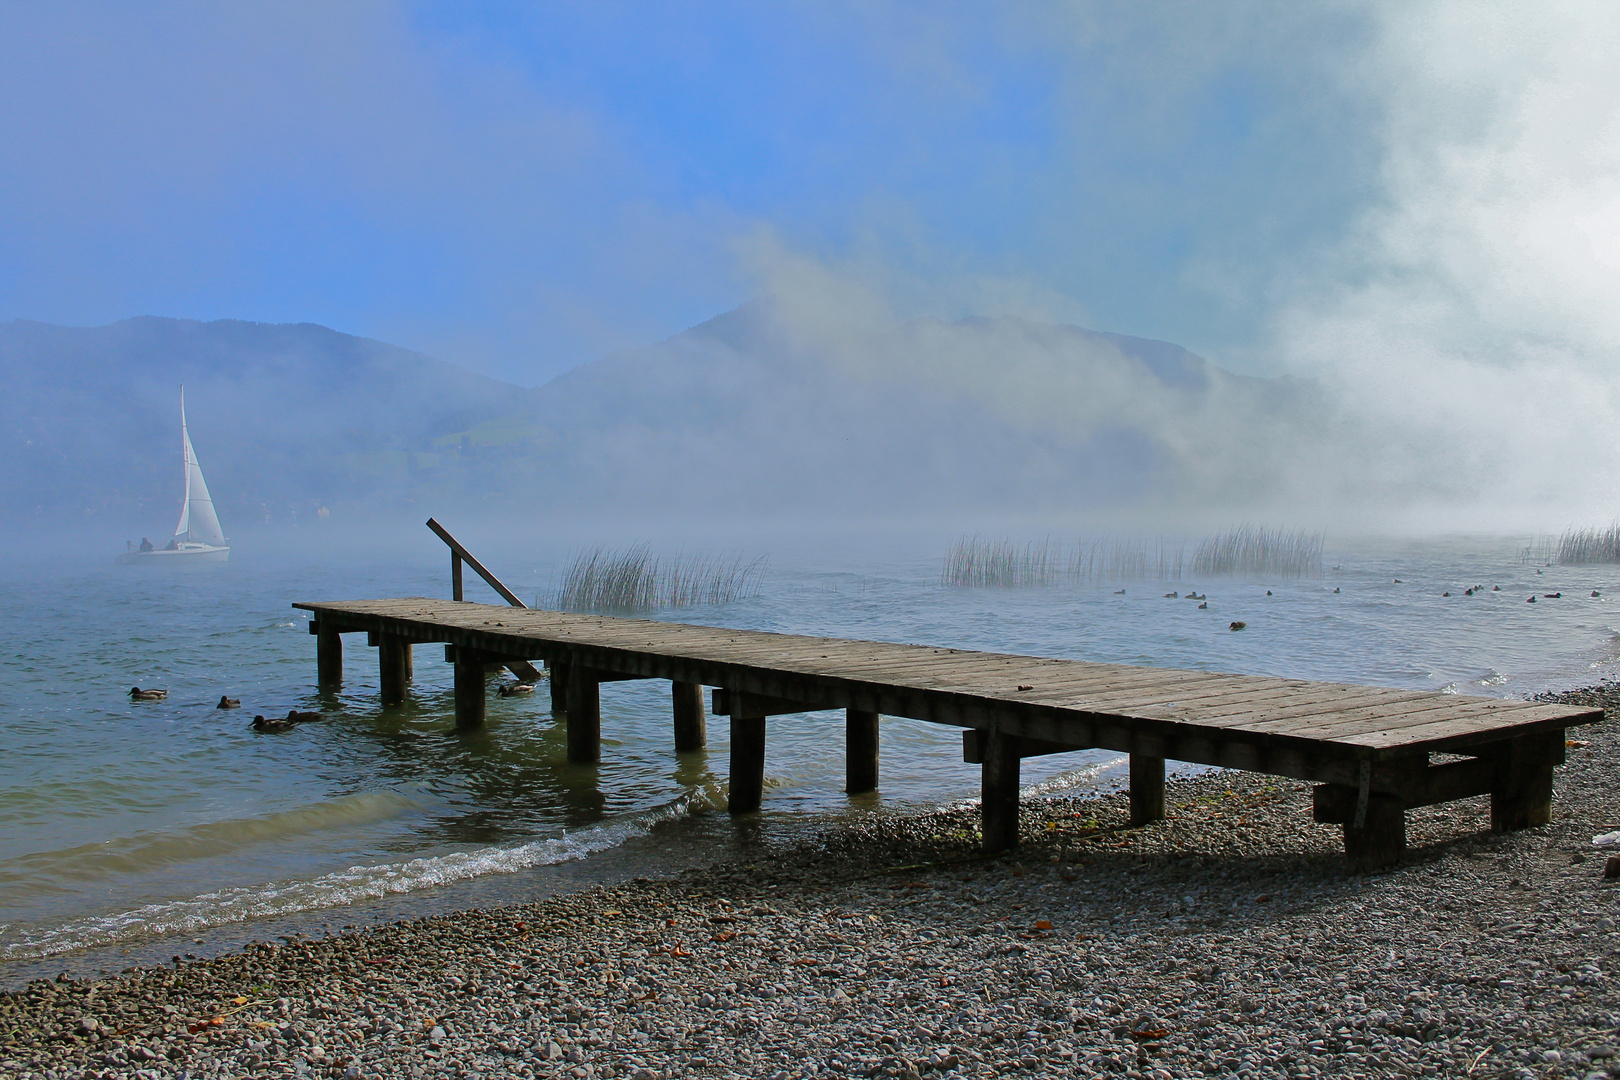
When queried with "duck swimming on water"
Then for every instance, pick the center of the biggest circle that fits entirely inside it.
(137, 694)
(514, 689)
(228, 702)
(273, 726)
(296, 717)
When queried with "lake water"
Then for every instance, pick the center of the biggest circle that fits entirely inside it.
(124, 824)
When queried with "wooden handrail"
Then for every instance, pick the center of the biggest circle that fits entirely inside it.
(458, 555)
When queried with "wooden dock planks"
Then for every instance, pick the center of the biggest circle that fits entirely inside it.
(1367, 746)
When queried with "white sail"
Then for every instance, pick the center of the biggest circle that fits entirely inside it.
(198, 522)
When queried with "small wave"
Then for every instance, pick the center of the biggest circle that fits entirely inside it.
(148, 851)
(357, 883)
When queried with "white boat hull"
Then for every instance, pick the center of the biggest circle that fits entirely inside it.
(185, 554)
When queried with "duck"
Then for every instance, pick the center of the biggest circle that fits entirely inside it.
(273, 726)
(228, 702)
(1237, 626)
(1172, 596)
(296, 717)
(1496, 588)
(514, 689)
(1531, 600)
(1468, 592)
(1595, 592)
(1121, 592)
(1335, 588)
(1553, 595)
(137, 694)
(1445, 594)
(1203, 607)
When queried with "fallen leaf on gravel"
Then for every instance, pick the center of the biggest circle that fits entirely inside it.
(217, 1021)
(1150, 1033)
(1043, 924)
(725, 935)
(612, 913)
(238, 1001)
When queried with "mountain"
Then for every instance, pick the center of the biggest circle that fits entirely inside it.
(285, 418)
(757, 411)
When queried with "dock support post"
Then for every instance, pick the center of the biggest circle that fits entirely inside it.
(328, 654)
(998, 807)
(860, 751)
(584, 717)
(393, 666)
(691, 728)
(1380, 841)
(470, 690)
(747, 782)
(557, 676)
(1521, 797)
(1147, 789)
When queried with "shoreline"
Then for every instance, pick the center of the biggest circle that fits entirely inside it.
(1226, 939)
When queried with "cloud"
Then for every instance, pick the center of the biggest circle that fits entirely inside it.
(1469, 319)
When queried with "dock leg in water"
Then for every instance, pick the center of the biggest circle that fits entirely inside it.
(584, 717)
(998, 807)
(328, 655)
(1147, 789)
(470, 690)
(747, 757)
(1522, 795)
(393, 666)
(860, 751)
(557, 676)
(691, 728)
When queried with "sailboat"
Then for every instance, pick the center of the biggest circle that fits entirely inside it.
(198, 537)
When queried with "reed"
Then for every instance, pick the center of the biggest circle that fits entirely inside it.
(1249, 549)
(634, 579)
(977, 562)
(1578, 546)
(980, 562)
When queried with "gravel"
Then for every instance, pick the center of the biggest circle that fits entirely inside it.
(1228, 940)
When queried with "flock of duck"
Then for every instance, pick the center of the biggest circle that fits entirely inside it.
(272, 725)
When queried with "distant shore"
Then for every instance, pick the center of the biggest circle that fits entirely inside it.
(1228, 939)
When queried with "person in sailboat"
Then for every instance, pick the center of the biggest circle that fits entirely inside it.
(146, 545)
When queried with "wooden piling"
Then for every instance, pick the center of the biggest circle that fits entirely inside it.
(691, 728)
(393, 667)
(999, 792)
(584, 717)
(328, 655)
(1147, 789)
(470, 690)
(860, 751)
(557, 677)
(1379, 841)
(747, 763)
(1521, 795)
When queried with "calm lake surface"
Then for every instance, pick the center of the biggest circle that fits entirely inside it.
(128, 826)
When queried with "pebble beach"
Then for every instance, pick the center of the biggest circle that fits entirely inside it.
(1226, 940)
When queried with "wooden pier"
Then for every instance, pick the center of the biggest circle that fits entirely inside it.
(1368, 749)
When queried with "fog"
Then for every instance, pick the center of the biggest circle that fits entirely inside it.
(640, 272)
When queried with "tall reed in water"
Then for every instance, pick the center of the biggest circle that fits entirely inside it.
(634, 579)
(975, 561)
(1249, 549)
(1590, 545)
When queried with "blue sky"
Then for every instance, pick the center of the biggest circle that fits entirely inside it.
(521, 188)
